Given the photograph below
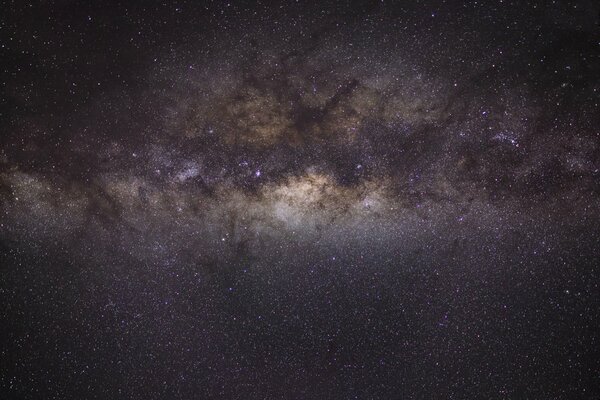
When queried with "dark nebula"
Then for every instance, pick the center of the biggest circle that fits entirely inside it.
(300, 200)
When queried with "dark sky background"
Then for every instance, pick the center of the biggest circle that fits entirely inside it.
(300, 200)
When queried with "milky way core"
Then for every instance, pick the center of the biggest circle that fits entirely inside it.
(300, 200)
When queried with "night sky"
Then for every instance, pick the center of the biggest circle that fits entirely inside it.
(299, 200)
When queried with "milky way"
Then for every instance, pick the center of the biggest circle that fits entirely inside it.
(300, 201)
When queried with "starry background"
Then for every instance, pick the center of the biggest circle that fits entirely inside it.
(299, 200)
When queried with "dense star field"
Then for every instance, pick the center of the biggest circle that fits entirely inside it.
(300, 200)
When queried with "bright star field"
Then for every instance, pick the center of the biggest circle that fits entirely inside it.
(300, 200)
